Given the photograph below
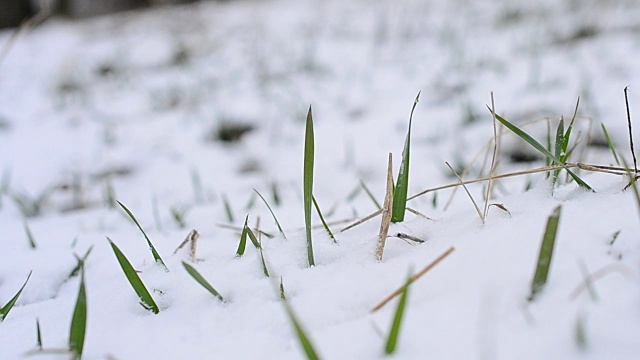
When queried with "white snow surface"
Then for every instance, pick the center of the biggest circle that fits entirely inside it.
(133, 101)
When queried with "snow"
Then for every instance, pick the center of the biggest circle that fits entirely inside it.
(133, 101)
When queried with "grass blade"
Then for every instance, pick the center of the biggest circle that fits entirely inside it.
(324, 223)
(392, 340)
(202, 281)
(386, 211)
(560, 141)
(546, 253)
(4, 311)
(309, 152)
(272, 214)
(32, 241)
(526, 137)
(79, 319)
(138, 286)
(243, 239)
(402, 185)
(633, 152)
(370, 194)
(283, 296)
(76, 270)
(309, 351)
(227, 208)
(38, 335)
(155, 254)
(611, 147)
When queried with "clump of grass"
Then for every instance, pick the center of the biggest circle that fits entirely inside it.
(30, 238)
(272, 214)
(83, 260)
(533, 142)
(402, 184)
(32, 206)
(324, 223)
(309, 152)
(146, 300)
(246, 232)
(155, 254)
(392, 340)
(546, 253)
(202, 281)
(79, 320)
(4, 311)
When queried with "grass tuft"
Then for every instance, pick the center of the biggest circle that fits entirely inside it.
(392, 340)
(4, 311)
(309, 153)
(83, 260)
(155, 254)
(402, 185)
(79, 320)
(132, 276)
(202, 281)
(546, 253)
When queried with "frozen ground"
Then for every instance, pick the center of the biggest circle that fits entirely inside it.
(133, 105)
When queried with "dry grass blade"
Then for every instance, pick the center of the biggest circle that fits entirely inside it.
(414, 278)
(192, 237)
(546, 253)
(494, 159)
(591, 279)
(633, 152)
(467, 191)
(386, 211)
(4, 311)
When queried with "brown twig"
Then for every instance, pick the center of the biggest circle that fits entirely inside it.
(192, 237)
(633, 152)
(414, 278)
(467, 190)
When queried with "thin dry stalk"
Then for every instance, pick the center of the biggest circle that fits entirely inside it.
(467, 190)
(414, 278)
(416, 212)
(633, 153)
(192, 237)
(588, 282)
(386, 211)
(492, 170)
(363, 220)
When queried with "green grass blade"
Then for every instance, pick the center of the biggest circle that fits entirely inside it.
(370, 194)
(202, 281)
(306, 344)
(4, 311)
(402, 184)
(272, 214)
(32, 241)
(558, 147)
(392, 340)
(611, 147)
(324, 223)
(265, 270)
(283, 296)
(79, 319)
(155, 254)
(138, 286)
(38, 335)
(253, 238)
(227, 209)
(275, 193)
(78, 267)
(243, 238)
(546, 253)
(526, 137)
(309, 153)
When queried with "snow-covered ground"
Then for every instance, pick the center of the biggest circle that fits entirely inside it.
(133, 106)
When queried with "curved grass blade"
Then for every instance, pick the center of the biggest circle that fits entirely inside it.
(4, 311)
(202, 281)
(526, 137)
(402, 185)
(546, 253)
(138, 286)
(370, 194)
(309, 152)
(272, 214)
(392, 340)
(560, 141)
(79, 319)
(155, 254)
(610, 143)
(324, 223)
(308, 348)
